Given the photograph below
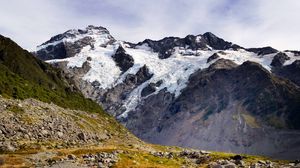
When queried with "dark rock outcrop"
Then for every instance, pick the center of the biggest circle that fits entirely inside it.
(279, 59)
(165, 46)
(122, 59)
(263, 50)
(290, 72)
(213, 57)
(218, 43)
(148, 90)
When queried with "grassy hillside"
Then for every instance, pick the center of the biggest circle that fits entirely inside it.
(24, 76)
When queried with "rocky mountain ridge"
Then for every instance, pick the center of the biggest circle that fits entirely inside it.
(187, 85)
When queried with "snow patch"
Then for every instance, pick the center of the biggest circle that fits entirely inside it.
(293, 58)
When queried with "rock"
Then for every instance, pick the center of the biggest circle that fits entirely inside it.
(81, 136)
(26, 136)
(191, 154)
(263, 50)
(213, 57)
(269, 164)
(217, 166)
(204, 152)
(202, 160)
(7, 146)
(237, 157)
(148, 90)
(254, 165)
(122, 59)
(239, 162)
(279, 59)
(143, 74)
(60, 134)
(261, 162)
(230, 166)
(101, 165)
(51, 161)
(218, 43)
(72, 157)
(44, 132)
(222, 64)
(224, 162)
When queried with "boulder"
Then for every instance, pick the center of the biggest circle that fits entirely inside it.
(81, 136)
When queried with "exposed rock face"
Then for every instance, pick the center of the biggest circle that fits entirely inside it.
(148, 90)
(290, 72)
(279, 59)
(213, 57)
(219, 98)
(112, 99)
(53, 52)
(209, 91)
(218, 43)
(207, 41)
(263, 50)
(123, 60)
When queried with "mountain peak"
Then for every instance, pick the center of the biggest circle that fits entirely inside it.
(210, 34)
(76, 33)
(72, 41)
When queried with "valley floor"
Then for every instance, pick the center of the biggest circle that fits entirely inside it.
(38, 134)
(133, 156)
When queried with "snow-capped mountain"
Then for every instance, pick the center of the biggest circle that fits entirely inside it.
(214, 94)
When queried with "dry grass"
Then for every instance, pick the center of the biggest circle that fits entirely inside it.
(251, 121)
(143, 160)
(13, 161)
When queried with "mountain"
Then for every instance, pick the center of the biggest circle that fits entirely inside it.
(214, 94)
(46, 122)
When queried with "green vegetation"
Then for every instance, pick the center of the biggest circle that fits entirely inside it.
(16, 109)
(24, 76)
(247, 158)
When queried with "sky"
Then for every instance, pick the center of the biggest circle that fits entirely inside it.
(249, 23)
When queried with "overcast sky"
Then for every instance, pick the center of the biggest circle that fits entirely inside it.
(249, 23)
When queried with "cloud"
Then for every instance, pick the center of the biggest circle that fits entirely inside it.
(250, 23)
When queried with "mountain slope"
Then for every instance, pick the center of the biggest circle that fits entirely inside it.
(24, 76)
(155, 87)
(223, 109)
